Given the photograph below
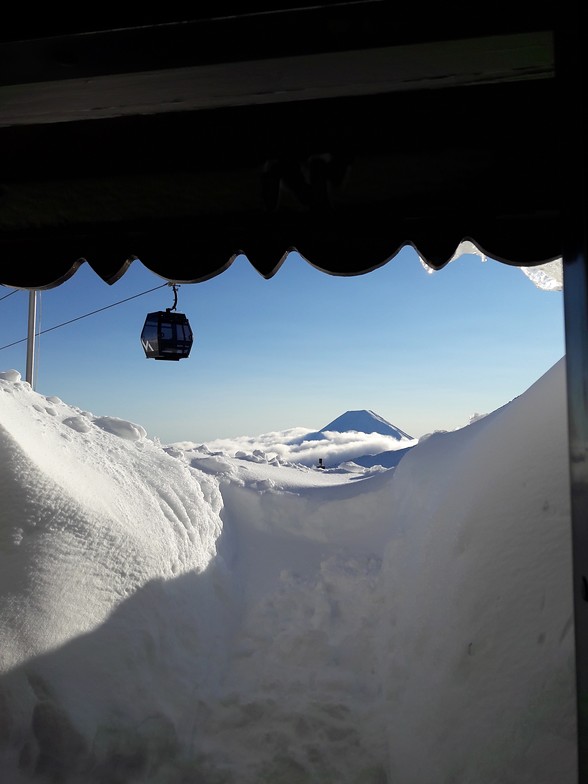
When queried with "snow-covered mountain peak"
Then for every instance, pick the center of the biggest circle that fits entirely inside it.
(364, 421)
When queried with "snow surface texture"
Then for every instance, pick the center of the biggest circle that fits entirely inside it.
(177, 615)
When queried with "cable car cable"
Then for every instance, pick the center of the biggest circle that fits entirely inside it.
(65, 323)
(10, 295)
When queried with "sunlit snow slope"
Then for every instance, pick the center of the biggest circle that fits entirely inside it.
(170, 616)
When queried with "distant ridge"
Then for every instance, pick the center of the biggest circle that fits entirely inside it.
(388, 459)
(364, 421)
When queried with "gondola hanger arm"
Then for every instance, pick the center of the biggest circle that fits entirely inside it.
(175, 305)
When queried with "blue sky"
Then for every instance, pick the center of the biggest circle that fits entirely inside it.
(424, 351)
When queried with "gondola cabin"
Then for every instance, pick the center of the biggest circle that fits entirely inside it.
(166, 335)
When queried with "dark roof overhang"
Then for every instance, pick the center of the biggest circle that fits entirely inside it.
(341, 131)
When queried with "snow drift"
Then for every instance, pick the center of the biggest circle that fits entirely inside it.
(173, 615)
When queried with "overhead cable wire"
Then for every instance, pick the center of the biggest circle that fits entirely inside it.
(10, 295)
(71, 321)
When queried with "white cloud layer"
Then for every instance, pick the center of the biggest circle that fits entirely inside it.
(301, 445)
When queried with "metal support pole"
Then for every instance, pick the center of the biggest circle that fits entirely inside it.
(31, 338)
(570, 62)
(576, 310)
